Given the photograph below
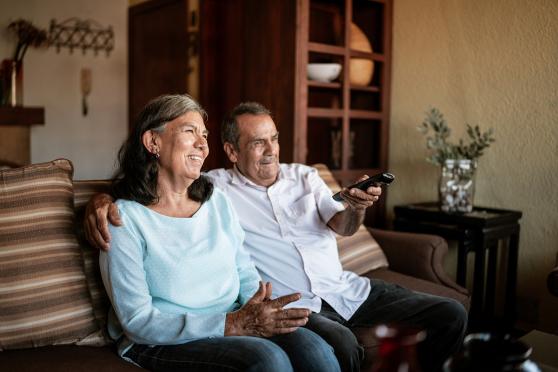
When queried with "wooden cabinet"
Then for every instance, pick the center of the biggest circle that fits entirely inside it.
(266, 46)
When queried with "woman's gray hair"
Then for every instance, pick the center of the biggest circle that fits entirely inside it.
(229, 127)
(163, 109)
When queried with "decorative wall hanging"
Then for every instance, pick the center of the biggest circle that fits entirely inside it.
(81, 34)
(85, 84)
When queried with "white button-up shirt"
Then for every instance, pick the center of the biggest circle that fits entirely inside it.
(288, 237)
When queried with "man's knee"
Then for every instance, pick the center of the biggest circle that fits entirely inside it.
(454, 314)
(346, 346)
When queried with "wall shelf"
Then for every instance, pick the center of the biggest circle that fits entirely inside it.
(321, 84)
(325, 48)
(366, 55)
(22, 115)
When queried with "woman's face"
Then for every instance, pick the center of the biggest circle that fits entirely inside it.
(182, 148)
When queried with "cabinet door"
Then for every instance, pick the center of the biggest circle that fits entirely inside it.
(158, 51)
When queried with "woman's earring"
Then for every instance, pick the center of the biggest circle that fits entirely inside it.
(155, 153)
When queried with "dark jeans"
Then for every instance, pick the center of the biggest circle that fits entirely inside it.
(301, 350)
(444, 320)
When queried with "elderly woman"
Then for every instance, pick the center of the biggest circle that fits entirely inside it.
(185, 294)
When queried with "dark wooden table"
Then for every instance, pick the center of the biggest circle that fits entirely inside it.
(481, 231)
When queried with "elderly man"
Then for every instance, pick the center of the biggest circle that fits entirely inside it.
(289, 216)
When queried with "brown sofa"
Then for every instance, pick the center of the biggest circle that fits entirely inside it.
(415, 261)
(552, 280)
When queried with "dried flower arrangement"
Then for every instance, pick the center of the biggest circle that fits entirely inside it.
(27, 35)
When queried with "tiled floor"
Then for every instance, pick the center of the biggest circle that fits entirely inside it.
(545, 349)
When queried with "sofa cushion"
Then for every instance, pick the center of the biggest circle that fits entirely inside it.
(419, 285)
(83, 191)
(359, 252)
(44, 298)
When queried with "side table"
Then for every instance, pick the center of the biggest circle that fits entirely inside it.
(480, 232)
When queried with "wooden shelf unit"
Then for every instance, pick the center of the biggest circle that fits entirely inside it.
(358, 117)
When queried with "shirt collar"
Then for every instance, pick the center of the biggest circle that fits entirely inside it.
(239, 179)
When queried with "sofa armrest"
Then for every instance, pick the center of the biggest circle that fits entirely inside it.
(417, 255)
(552, 281)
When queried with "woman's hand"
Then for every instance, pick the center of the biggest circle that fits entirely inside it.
(263, 317)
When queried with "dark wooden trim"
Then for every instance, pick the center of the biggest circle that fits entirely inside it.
(22, 115)
(346, 124)
(318, 112)
(363, 114)
(325, 48)
(365, 88)
(302, 45)
(321, 84)
(373, 56)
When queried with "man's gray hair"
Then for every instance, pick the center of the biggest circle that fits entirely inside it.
(229, 128)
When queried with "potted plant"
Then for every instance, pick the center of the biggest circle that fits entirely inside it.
(458, 162)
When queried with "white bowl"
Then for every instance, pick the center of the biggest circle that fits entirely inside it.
(324, 72)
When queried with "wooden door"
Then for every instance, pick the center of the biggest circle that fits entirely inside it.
(158, 51)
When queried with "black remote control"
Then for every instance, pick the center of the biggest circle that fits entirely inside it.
(381, 178)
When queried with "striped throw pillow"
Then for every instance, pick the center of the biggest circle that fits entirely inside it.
(43, 292)
(359, 252)
(83, 191)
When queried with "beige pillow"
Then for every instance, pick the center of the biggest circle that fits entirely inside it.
(359, 252)
(43, 293)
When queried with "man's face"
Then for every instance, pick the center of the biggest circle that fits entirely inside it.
(257, 156)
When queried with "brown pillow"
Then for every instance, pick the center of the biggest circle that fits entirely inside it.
(83, 191)
(43, 293)
(359, 252)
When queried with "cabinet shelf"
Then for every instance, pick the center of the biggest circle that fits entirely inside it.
(340, 51)
(318, 112)
(320, 84)
(363, 114)
(326, 48)
(372, 56)
(373, 89)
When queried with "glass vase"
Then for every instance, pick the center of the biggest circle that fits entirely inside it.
(397, 348)
(457, 185)
(11, 83)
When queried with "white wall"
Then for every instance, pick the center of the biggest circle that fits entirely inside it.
(52, 80)
(492, 63)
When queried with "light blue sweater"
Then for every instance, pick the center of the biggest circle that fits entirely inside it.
(172, 280)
